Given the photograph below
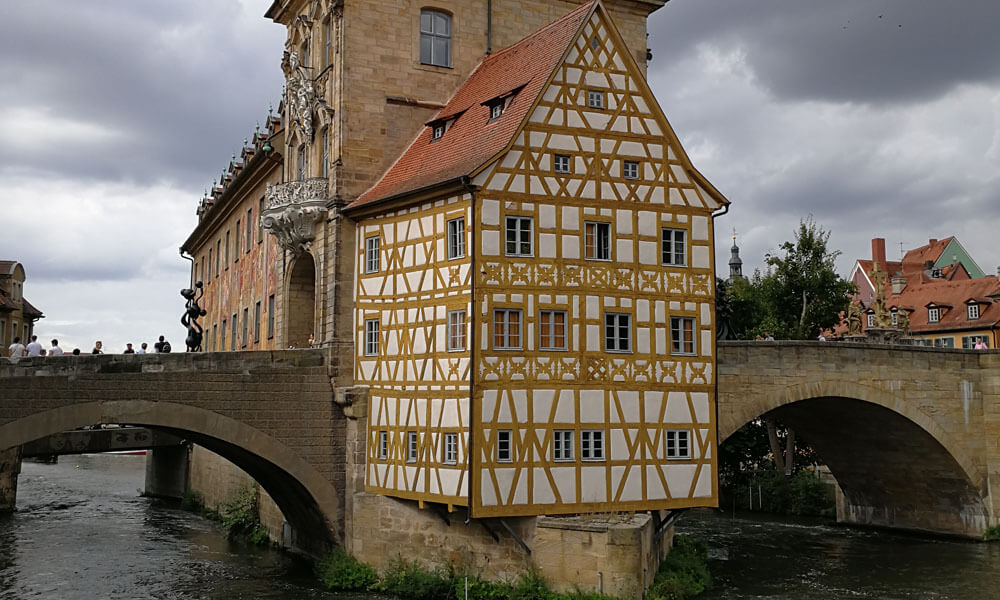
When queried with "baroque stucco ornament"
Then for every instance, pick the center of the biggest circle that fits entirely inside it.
(291, 211)
(301, 95)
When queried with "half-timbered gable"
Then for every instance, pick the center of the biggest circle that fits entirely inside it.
(589, 283)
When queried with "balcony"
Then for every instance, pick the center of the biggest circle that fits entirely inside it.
(291, 211)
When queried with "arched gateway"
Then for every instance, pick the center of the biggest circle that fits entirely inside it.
(906, 431)
(270, 413)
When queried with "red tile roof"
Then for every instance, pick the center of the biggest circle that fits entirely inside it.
(943, 293)
(471, 142)
(29, 310)
(915, 259)
(7, 267)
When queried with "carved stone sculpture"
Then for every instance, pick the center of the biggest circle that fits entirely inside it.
(854, 318)
(192, 312)
(301, 95)
(291, 211)
(883, 318)
(903, 319)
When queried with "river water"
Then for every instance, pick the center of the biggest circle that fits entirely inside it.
(83, 532)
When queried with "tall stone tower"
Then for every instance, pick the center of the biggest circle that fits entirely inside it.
(363, 77)
(735, 262)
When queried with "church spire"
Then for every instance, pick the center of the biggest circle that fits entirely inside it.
(735, 262)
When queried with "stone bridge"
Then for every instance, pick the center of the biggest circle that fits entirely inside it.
(271, 413)
(912, 434)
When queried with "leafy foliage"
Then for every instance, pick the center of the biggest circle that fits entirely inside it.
(746, 453)
(684, 573)
(408, 580)
(241, 519)
(799, 293)
(342, 572)
(801, 494)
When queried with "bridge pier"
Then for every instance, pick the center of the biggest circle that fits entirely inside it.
(167, 472)
(10, 468)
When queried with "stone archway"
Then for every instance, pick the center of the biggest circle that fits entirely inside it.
(307, 499)
(300, 303)
(896, 466)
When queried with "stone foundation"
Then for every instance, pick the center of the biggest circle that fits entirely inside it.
(615, 554)
(10, 468)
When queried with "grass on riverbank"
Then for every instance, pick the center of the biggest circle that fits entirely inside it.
(684, 574)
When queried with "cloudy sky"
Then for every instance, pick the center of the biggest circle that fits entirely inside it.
(877, 117)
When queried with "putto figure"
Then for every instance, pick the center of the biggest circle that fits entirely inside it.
(190, 317)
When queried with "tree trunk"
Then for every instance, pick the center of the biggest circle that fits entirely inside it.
(783, 460)
(789, 452)
(802, 317)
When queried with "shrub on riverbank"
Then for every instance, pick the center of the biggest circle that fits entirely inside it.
(992, 533)
(241, 518)
(684, 573)
(771, 491)
(342, 572)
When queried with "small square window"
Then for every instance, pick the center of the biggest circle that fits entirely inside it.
(562, 444)
(933, 315)
(595, 99)
(617, 332)
(411, 447)
(561, 163)
(592, 444)
(597, 241)
(456, 330)
(504, 452)
(681, 335)
(371, 337)
(456, 238)
(552, 330)
(496, 109)
(674, 247)
(450, 448)
(372, 254)
(506, 329)
(678, 443)
(973, 312)
(630, 169)
(871, 320)
(383, 445)
(437, 132)
(894, 317)
(519, 236)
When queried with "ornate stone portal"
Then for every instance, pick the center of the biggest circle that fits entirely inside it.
(291, 211)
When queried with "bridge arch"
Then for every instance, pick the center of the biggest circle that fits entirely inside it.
(896, 465)
(306, 498)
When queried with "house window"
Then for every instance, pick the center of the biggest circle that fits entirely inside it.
(218, 256)
(894, 317)
(504, 453)
(519, 236)
(871, 320)
(232, 331)
(270, 316)
(456, 238)
(246, 326)
(595, 99)
(383, 445)
(456, 330)
(411, 447)
(630, 169)
(973, 312)
(222, 347)
(506, 329)
(202, 269)
(597, 241)
(237, 240)
(969, 341)
(678, 443)
(327, 41)
(260, 222)
(450, 448)
(560, 163)
(249, 230)
(215, 337)
(371, 254)
(944, 342)
(933, 315)
(437, 132)
(617, 332)
(562, 444)
(681, 335)
(256, 322)
(371, 337)
(326, 152)
(552, 328)
(435, 38)
(226, 262)
(673, 247)
(592, 444)
(302, 162)
(496, 109)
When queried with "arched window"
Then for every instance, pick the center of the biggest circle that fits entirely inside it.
(435, 38)
(302, 162)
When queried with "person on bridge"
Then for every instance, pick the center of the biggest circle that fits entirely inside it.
(768, 337)
(55, 350)
(142, 348)
(980, 344)
(128, 349)
(16, 350)
(97, 348)
(33, 348)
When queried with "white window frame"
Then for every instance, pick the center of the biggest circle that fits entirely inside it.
(933, 315)
(507, 338)
(871, 320)
(944, 342)
(548, 317)
(595, 99)
(973, 312)
(450, 449)
(456, 330)
(456, 238)
(614, 324)
(383, 445)
(670, 240)
(437, 132)
(562, 445)
(505, 446)
(371, 337)
(630, 169)
(496, 110)
(522, 235)
(677, 444)
(562, 163)
(894, 317)
(969, 341)
(411, 446)
(592, 448)
(430, 31)
(372, 257)
(681, 325)
(596, 251)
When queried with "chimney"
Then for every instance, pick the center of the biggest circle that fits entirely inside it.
(898, 285)
(878, 252)
(933, 241)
